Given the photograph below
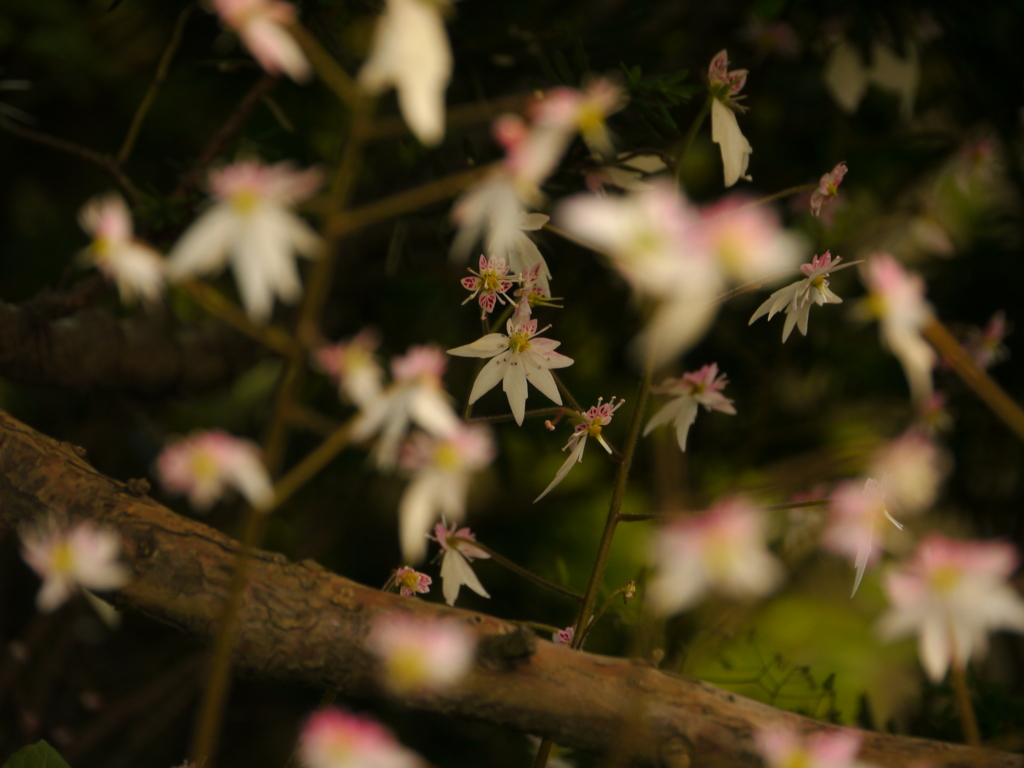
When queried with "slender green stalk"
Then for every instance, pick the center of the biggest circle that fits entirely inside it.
(154, 88)
(214, 302)
(602, 609)
(520, 571)
(968, 720)
(541, 627)
(631, 518)
(691, 135)
(503, 417)
(784, 193)
(565, 391)
(330, 72)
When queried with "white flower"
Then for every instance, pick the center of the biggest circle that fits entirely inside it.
(443, 468)
(828, 188)
(262, 25)
(353, 367)
(721, 550)
(725, 130)
(783, 748)
(418, 655)
(590, 424)
(516, 359)
(204, 464)
(911, 467)
(846, 76)
(952, 594)
(490, 285)
(332, 738)
(701, 387)
(411, 53)
(417, 396)
(489, 211)
(67, 559)
(857, 524)
(798, 298)
(457, 553)
(746, 240)
(897, 300)
(137, 269)
(252, 226)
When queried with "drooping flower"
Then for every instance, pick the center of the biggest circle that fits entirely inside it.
(783, 748)
(333, 738)
(68, 559)
(411, 52)
(416, 396)
(700, 387)
(204, 464)
(952, 594)
(442, 470)
(857, 524)
(828, 188)
(252, 226)
(798, 298)
(420, 655)
(590, 424)
(911, 467)
(564, 637)
(353, 367)
(897, 300)
(136, 269)
(722, 550)
(725, 130)
(985, 345)
(490, 285)
(562, 112)
(262, 25)
(516, 359)
(408, 581)
(457, 554)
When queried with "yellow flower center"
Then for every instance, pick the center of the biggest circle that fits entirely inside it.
(447, 456)
(591, 119)
(245, 202)
(519, 341)
(203, 465)
(491, 284)
(102, 247)
(62, 558)
(407, 668)
(945, 579)
(799, 759)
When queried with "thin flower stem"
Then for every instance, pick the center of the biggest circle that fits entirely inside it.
(602, 609)
(565, 391)
(503, 417)
(457, 116)
(968, 720)
(779, 195)
(1000, 403)
(536, 625)
(635, 518)
(210, 715)
(306, 469)
(329, 71)
(519, 570)
(154, 88)
(218, 305)
(691, 135)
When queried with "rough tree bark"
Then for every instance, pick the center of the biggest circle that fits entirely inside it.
(300, 622)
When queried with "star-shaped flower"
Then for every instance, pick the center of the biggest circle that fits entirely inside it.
(701, 387)
(490, 285)
(408, 581)
(519, 357)
(590, 424)
(828, 188)
(457, 553)
(798, 297)
(725, 130)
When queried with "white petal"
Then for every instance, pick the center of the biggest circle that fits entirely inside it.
(575, 456)
(863, 555)
(684, 420)
(934, 649)
(736, 150)
(495, 370)
(514, 385)
(486, 346)
(416, 512)
(541, 378)
(203, 248)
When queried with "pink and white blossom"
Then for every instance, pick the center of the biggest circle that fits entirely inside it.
(783, 748)
(71, 558)
(952, 594)
(420, 655)
(564, 637)
(136, 269)
(911, 467)
(562, 112)
(798, 298)
(589, 425)
(517, 358)
(722, 550)
(490, 285)
(700, 387)
(334, 738)
(251, 225)
(457, 552)
(415, 397)
(408, 581)
(263, 27)
(353, 367)
(442, 468)
(857, 524)
(828, 188)
(747, 241)
(205, 464)
(725, 130)
(896, 299)
(411, 52)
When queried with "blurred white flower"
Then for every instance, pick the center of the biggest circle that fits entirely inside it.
(700, 387)
(263, 27)
(952, 594)
(67, 559)
(411, 52)
(457, 552)
(442, 469)
(333, 738)
(722, 550)
(251, 225)
(747, 240)
(590, 424)
(798, 298)
(911, 467)
(848, 78)
(725, 130)
(204, 464)
(136, 269)
(353, 367)
(783, 748)
(420, 655)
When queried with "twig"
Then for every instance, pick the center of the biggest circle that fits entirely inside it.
(784, 193)
(503, 417)
(219, 306)
(691, 135)
(154, 88)
(519, 570)
(329, 70)
(457, 116)
(968, 720)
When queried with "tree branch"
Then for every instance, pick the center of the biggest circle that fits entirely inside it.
(300, 622)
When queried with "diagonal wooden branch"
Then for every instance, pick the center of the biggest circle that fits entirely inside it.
(300, 622)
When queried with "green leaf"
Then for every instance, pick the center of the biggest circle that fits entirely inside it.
(38, 755)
